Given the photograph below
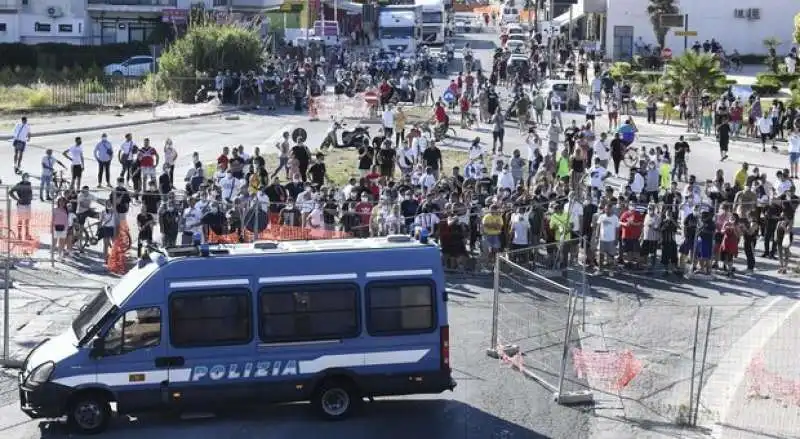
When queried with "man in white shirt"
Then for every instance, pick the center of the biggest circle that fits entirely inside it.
(20, 137)
(598, 175)
(48, 169)
(764, 125)
(388, 122)
(794, 152)
(555, 110)
(75, 155)
(784, 184)
(607, 227)
(637, 186)
(127, 152)
(590, 112)
(597, 88)
(520, 230)
(601, 150)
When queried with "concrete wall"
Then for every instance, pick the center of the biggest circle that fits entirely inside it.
(711, 19)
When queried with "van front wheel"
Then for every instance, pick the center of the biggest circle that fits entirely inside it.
(89, 413)
(336, 399)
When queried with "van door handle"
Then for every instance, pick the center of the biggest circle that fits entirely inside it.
(170, 361)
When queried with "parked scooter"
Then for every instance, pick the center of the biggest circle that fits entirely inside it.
(350, 139)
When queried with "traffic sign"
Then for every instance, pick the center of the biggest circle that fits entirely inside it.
(666, 53)
(685, 33)
(371, 97)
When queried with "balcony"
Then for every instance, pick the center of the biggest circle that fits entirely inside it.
(247, 4)
(129, 5)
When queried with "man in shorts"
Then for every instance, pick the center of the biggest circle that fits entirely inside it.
(148, 161)
(631, 222)
(607, 228)
(75, 155)
(20, 138)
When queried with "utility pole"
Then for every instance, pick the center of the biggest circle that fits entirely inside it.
(550, 32)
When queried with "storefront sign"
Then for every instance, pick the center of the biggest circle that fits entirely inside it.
(173, 15)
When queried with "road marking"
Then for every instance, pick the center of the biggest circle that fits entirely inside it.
(730, 372)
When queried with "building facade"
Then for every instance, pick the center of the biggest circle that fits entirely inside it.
(105, 21)
(736, 24)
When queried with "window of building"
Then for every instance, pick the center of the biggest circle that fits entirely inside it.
(210, 318)
(2, 27)
(65, 28)
(306, 313)
(42, 27)
(400, 309)
(136, 329)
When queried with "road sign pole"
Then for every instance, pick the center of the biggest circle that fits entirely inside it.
(686, 34)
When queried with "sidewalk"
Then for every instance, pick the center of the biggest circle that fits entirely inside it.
(43, 125)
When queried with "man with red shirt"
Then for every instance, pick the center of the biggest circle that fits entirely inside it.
(364, 211)
(464, 106)
(440, 114)
(148, 160)
(385, 91)
(469, 83)
(631, 222)
(222, 160)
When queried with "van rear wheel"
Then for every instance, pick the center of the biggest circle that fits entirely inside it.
(89, 413)
(336, 399)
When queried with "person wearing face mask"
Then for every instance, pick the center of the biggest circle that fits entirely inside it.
(168, 221)
(213, 219)
(22, 193)
(103, 153)
(107, 227)
(290, 215)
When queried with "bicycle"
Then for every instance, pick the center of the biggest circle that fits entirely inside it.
(88, 236)
(438, 133)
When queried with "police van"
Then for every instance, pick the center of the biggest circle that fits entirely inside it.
(196, 328)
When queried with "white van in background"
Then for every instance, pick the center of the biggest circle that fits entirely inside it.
(509, 14)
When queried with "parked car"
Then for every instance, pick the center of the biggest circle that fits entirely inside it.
(133, 66)
(566, 90)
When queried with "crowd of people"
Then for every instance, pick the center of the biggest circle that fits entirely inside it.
(565, 190)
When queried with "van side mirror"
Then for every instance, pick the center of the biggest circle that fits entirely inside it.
(98, 348)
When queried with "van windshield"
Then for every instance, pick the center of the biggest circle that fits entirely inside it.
(396, 32)
(91, 314)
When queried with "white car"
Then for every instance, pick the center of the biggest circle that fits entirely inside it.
(514, 29)
(134, 66)
(516, 46)
(467, 23)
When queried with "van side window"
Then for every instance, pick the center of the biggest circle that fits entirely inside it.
(398, 309)
(136, 329)
(210, 318)
(307, 313)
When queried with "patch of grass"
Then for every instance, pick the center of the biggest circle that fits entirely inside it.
(91, 93)
(343, 164)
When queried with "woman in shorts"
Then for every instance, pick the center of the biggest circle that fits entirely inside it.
(60, 225)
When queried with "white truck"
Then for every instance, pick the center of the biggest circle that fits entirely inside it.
(398, 31)
(434, 21)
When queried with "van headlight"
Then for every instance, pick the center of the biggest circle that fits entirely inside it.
(41, 374)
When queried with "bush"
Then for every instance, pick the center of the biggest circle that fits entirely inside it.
(205, 49)
(795, 85)
(787, 78)
(767, 84)
(620, 71)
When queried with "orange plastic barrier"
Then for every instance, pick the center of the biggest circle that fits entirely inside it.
(17, 239)
(611, 370)
(117, 261)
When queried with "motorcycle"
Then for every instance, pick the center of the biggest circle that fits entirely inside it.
(350, 139)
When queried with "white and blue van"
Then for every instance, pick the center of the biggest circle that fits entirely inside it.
(332, 322)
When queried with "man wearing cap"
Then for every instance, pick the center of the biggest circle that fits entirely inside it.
(22, 193)
(103, 153)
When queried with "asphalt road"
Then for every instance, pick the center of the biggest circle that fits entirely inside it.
(647, 315)
(491, 401)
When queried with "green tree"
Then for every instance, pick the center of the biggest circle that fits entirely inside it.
(655, 10)
(772, 62)
(695, 74)
(206, 48)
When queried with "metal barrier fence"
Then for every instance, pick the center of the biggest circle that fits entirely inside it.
(536, 295)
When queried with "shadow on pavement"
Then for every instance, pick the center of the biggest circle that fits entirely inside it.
(401, 419)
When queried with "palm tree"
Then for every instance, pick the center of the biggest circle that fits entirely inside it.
(772, 44)
(695, 74)
(655, 10)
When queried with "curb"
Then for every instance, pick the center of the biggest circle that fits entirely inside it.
(129, 123)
